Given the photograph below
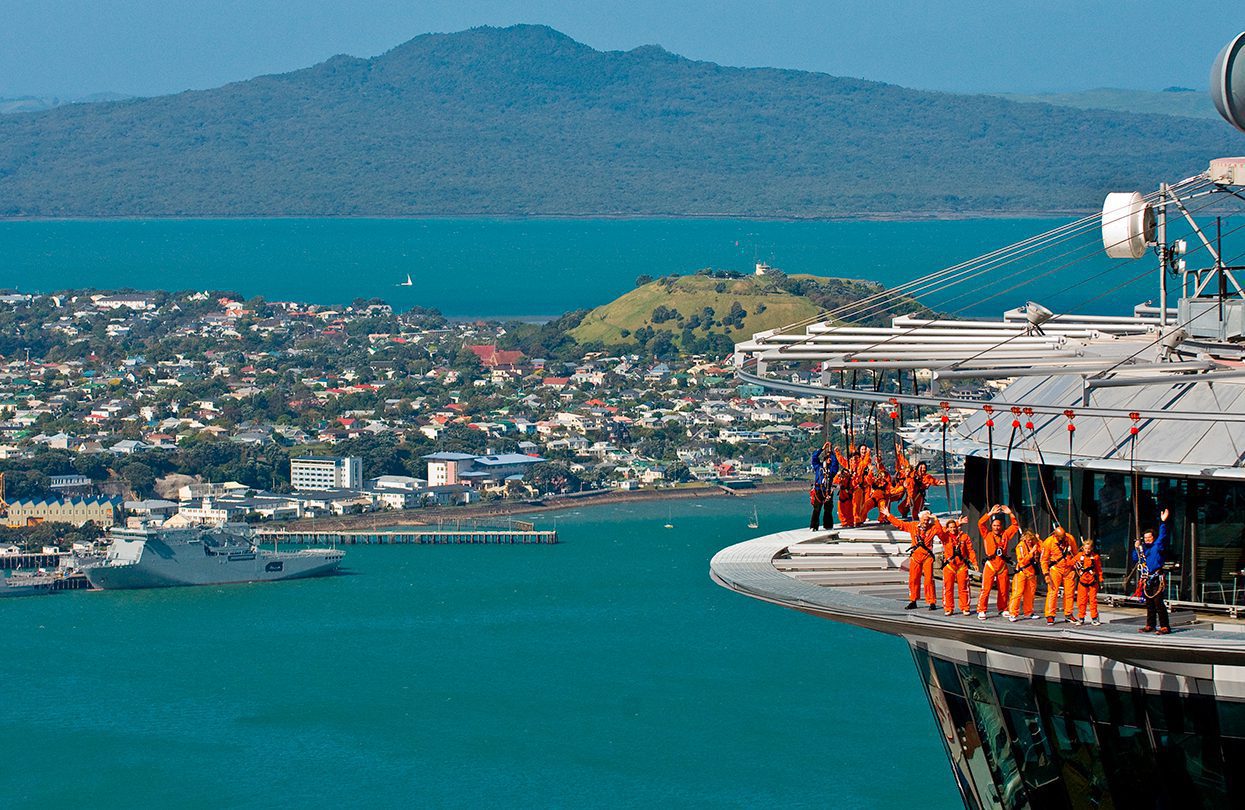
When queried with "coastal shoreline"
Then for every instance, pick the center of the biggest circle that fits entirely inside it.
(430, 516)
(850, 216)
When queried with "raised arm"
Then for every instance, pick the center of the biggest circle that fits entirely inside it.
(907, 526)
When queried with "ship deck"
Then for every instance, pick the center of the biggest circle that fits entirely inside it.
(858, 577)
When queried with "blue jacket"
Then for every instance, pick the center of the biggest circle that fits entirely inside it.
(1154, 553)
(824, 473)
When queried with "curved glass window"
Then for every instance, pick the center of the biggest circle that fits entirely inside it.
(1035, 742)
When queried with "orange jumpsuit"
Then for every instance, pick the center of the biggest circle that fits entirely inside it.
(847, 497)
(921, 563)
(1088, 569)
(862, 482)
(1024, 586)
(1058, 560)
(995, 568)
(882, 490)
(902, 470)
(918, 484)
(959, 556)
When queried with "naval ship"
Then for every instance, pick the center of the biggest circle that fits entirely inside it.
(1103, 424)
(160, 558)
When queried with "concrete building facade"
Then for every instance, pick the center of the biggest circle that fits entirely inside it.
(326, 472)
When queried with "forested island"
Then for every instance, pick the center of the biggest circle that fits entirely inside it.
(525, 121)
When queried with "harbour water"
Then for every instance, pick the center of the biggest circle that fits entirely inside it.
(607, 671)
(533, 267)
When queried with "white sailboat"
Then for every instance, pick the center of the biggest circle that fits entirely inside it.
(755, 523)
(407, 283)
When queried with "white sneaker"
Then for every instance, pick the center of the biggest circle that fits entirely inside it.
(1094, 621)
(1012, 618)
(1033, 615)
(968, 613)
(981, 614)
(1005, 614)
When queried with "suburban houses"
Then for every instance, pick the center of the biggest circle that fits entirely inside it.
(247, 409)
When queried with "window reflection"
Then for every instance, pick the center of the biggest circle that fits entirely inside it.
(1021, 742)
(1207, 524)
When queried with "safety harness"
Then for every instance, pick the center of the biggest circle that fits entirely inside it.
(1063, 555)
(1032, 563)
(1085, 565)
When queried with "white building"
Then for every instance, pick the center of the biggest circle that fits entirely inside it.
(444, 468)
(326, 472)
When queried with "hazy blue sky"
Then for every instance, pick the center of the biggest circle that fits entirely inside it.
(148, 47)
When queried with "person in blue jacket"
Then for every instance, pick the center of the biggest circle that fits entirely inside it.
(825, 466)
(1148, 553)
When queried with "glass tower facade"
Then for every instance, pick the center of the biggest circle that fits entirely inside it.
(1035, 742)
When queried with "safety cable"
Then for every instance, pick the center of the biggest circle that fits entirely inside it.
(970, 269)
(1029, 245)
(917, 327)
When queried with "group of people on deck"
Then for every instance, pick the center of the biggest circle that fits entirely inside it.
(862, 483)
(1071, 570)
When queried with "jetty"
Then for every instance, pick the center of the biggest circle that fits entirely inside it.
(515, 533)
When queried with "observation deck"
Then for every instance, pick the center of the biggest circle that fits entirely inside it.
(859, 577)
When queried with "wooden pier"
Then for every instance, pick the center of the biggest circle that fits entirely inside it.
(519, 534)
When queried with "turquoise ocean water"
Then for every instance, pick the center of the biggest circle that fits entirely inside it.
(607, 671)
(490, 267)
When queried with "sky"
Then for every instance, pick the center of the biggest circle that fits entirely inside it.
(152, 47)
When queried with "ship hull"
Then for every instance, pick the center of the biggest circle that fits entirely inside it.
(157, 564)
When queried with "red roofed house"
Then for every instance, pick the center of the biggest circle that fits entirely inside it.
(492, 357)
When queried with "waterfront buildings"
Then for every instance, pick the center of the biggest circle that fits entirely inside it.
(444, 468)
(102, 511)
(306, 382)
(486, 470)
(326, 472)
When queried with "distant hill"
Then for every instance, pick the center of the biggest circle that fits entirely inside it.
(526, 121)
(712, 310)
(1181, 101)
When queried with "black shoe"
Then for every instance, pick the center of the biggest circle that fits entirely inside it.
(933, 607)
(910, 606)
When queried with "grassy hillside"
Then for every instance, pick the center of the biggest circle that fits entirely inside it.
(703, 308)
(526, 121)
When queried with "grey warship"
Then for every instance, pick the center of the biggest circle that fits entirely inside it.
(162, 558)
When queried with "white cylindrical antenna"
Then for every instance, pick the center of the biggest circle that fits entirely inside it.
(1227, 82)
(1127, 225)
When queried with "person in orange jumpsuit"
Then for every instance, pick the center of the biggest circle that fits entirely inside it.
(1088, 567)
(862, 482)
(903, 469)
(995, 537)
(1024, 584)
(1058, 559)
(924, 531)
(884, 489)
(958, 557)
(919, 481)
(847, 496)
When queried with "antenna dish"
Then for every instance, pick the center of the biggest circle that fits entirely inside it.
(1227, 82)
(1127, 225)
(1036, 315)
